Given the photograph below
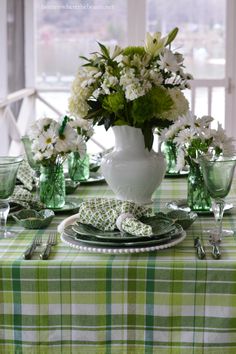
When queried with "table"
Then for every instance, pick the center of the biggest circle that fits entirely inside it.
(158, 302)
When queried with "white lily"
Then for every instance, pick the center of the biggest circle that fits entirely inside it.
(154, 44)
(168, 61)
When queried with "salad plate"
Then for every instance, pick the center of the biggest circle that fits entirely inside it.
(71, 205)
(160, 226)
(180, 174)
(94, 178)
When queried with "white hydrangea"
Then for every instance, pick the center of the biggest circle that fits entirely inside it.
(81, 90)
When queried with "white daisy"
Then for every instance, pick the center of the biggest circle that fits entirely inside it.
(47, 139)
(66, 141)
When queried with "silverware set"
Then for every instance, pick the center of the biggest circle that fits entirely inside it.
(214, 242)
(37, 242)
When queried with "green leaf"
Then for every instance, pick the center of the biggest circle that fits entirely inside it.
(172, 35)
(94, 104)
(108, 121)
(94, 114)
(148, 136)
(104, 50)
(82, 57)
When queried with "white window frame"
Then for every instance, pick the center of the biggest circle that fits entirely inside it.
(230, 94)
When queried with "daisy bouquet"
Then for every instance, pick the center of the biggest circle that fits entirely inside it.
(136, 86)
(193, 137)
(52, 141)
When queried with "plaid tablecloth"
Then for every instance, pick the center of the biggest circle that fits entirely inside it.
(159, 302)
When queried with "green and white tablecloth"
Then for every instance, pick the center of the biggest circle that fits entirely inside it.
(159, 302)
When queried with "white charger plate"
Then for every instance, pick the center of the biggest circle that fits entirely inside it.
(116, 250)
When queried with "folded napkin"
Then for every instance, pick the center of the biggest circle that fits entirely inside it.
(25, 198)
(109, 214)
(25, 175)
(22, 194)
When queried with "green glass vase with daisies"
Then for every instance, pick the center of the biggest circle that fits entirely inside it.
(52, 186)
(194, 137)
(51, 142)
(78, 161)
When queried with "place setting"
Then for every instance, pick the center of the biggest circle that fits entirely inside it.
(112, 226)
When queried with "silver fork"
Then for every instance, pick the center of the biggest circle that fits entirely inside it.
(30, 250)
(52, 241)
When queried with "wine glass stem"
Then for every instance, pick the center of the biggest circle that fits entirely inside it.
(218, 209)
(3, 219)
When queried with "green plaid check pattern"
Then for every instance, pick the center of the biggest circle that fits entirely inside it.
(148, 303)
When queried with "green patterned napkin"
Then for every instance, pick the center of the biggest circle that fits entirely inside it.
(22, 194)
(109, 214)
(25, 198)
(25, 175)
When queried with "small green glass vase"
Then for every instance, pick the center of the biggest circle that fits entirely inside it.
(169, 150)
(198, 196)
(52, 186)
(78, 167)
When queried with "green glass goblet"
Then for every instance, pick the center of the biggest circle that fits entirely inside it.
(218, 176)
(8, 171)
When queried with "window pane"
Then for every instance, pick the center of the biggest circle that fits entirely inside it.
(202, 32)
(67, 29)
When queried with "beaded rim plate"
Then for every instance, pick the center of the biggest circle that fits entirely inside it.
(117, 250)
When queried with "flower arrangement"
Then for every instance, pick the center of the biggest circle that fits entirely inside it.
(52, 140)
(136, 86)
(193, 137)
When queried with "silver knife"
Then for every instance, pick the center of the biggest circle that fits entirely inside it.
(199, 248)
(215, 242)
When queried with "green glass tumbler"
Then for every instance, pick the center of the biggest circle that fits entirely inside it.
(198, 197)
(78, 167)
(52, 186)
(169, 150)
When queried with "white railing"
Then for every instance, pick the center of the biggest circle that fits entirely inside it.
(13, 128)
